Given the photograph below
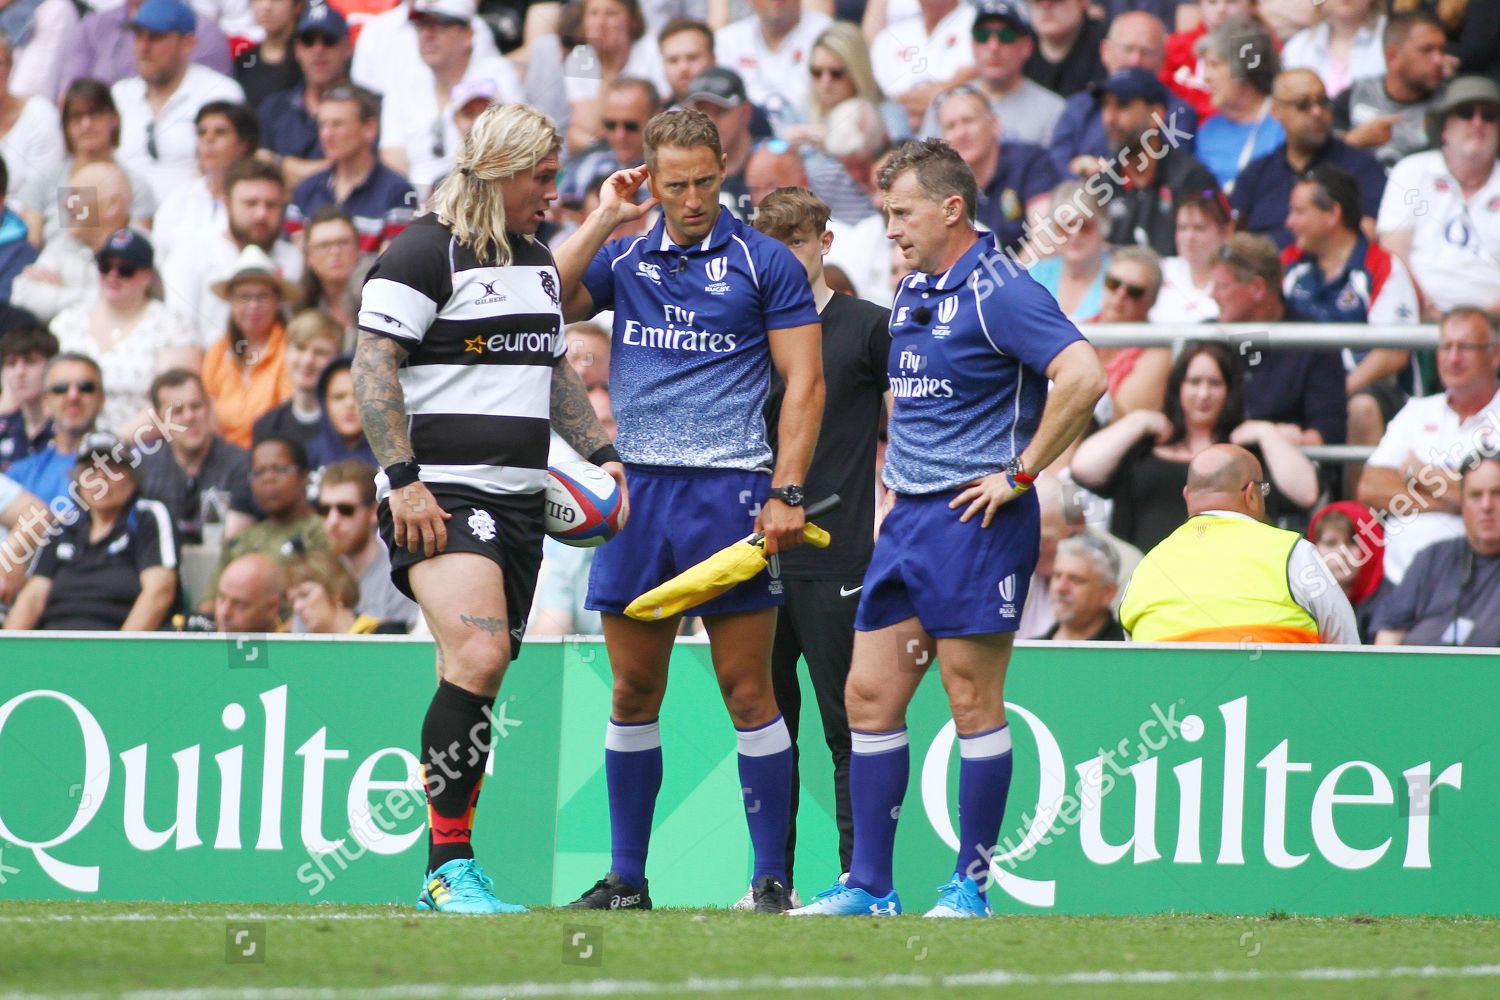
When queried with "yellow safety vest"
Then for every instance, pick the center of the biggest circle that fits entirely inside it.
(1217, 579)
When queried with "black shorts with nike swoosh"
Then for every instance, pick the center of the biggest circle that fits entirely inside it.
(506, 529)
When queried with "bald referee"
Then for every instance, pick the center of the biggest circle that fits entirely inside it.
(975, 342)
(458, 381)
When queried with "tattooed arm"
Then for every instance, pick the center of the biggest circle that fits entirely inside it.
(573, 415)
(382, 405)
(574, 420)
(416, 517)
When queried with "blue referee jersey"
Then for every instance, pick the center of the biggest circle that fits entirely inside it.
(969, 352)
(690, 361)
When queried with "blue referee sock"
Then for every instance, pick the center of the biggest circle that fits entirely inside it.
(878, 770)
(632, 770)
(766, 788)
(983, 785)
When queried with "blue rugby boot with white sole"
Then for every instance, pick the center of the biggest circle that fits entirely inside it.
(959, 897)
(847, 901)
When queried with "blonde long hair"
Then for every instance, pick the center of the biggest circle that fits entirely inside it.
(506, 140)
(847, 43)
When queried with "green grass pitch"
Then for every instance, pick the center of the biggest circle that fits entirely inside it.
(156, 951)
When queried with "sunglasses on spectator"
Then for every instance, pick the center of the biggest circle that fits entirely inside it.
(87, 387)
(119, 267)
(344, 509)
(1114, 284)
(832, 72)
(613, 124)
(1005, 35)
(1488, 113)
(960, 90)
(151, 149)
(1307, 104)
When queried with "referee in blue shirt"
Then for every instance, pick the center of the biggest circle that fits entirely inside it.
(704, 308)
(974, 343)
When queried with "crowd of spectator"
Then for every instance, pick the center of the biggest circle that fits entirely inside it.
(194, 192)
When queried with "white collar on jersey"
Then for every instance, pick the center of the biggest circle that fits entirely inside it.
(666, 238)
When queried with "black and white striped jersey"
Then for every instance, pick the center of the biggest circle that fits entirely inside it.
(482, 342)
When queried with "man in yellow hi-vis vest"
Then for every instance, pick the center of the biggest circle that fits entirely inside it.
(1225, 576)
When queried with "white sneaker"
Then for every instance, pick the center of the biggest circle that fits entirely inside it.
(747, 901)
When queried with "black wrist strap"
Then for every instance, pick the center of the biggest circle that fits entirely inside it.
(403, 474)
(605, 454)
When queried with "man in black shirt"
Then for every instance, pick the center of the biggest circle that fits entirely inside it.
(1150, 166)
(1067, 56)
(822, 586)
(194, 470)
(1082, 585)
(114, 567)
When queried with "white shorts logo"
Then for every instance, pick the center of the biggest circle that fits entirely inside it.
(482, 525)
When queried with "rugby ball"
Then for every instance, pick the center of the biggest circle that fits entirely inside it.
(583, 504)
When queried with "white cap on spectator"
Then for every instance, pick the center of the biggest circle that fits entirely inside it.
(466, 91)
(254, 264)
(461, 11)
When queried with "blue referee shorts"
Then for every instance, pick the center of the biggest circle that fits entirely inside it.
(955, 578)
(679, 517)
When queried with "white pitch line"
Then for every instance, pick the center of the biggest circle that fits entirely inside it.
(635, 987)
(150, 918)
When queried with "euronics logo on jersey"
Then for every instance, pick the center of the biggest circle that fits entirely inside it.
(717, 269)
(915, 386)
(518, 343)
(677, 333)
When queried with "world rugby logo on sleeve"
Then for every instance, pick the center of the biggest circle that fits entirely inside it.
(717, 270)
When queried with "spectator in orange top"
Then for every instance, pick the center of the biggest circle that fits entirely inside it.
(245, 371)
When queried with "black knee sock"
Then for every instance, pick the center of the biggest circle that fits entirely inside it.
(455, 745)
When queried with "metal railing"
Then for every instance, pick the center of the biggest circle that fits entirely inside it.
(1265, 336)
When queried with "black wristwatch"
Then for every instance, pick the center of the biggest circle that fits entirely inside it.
(790, 495)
